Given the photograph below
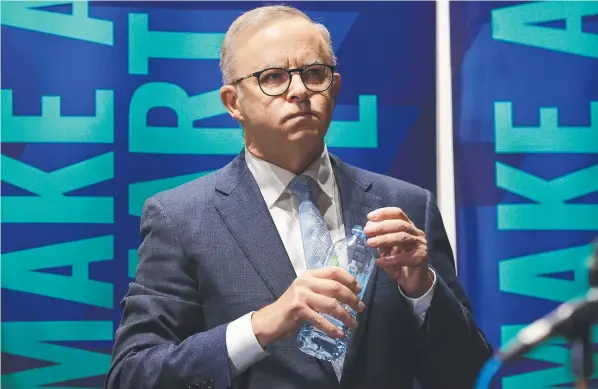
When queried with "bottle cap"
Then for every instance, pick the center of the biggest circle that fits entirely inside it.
(358, 231)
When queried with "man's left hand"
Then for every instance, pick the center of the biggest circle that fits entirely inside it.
(403, 249)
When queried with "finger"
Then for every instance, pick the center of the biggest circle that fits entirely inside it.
(338, 291)
(319, 321)
(386, 251)
(338, 274)
(410, 259)
(331, 306)
(404, 240)
(389, 226)
(393, 260)
(388, 213)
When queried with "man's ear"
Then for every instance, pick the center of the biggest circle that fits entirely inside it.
(336, 85)
(230, 99)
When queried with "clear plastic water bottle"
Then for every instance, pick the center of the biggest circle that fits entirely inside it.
(354, 255)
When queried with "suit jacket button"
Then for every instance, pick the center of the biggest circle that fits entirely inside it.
(439, 342)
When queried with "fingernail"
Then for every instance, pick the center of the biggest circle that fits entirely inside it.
(358, 288)
(372, 214)
(361, 306)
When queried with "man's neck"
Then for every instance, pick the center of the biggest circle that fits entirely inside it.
(295, 161)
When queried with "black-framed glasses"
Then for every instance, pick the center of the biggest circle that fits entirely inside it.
(276, 81)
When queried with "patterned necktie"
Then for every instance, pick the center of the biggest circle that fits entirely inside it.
(314, 233)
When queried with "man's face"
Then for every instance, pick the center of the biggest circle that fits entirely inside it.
(298, 116)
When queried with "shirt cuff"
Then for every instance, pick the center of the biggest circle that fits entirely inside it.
(421, 304)
(243, 347)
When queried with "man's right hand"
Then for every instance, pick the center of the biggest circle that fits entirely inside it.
(319, 290)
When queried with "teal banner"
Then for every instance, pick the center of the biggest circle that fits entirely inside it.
(106, 103)
(525, 93)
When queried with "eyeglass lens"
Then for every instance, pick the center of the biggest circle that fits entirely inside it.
(316, 78)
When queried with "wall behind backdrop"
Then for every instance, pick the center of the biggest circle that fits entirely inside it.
(525, 98)
(105, 104)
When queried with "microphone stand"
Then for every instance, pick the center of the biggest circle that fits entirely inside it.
(582, 362)
(577, 329)
(573, 320)
(580, 333)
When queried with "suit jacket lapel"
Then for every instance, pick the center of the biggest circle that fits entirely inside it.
(247, 217)
(356, 202)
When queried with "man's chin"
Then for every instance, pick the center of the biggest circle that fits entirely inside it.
(304, 135)
(300, 129)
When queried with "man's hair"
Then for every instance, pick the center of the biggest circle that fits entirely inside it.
(258, 17)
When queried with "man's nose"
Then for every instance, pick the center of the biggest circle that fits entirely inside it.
(297, 90)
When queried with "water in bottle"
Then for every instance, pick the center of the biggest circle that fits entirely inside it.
(354, 255)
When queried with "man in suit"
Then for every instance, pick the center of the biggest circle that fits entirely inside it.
(225, 275)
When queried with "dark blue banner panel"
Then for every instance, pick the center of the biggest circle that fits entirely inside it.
(107, 103)
(525, 83)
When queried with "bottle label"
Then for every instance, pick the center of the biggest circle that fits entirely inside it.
(334, 260)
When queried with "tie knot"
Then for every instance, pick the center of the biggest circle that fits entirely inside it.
(300, 187)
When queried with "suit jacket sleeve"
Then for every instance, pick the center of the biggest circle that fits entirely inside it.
(453, 349)
(161, 342)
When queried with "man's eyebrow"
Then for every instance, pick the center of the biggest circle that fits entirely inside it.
(271, 65)
(306, 63)
(313, 62)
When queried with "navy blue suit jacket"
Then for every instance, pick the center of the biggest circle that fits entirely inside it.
(210, 253)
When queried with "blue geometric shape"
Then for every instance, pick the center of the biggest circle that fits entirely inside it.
(337, 23)
(389, 138)
(509, 72)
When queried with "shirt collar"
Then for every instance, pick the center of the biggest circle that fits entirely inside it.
(273, 180)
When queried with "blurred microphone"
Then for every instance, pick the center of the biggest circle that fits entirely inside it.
(566, 320)
(593, 266)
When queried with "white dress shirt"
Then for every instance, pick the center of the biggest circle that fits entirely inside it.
(243, 348)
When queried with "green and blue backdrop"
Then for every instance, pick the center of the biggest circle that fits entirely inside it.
(107, 103)
(525, 96)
